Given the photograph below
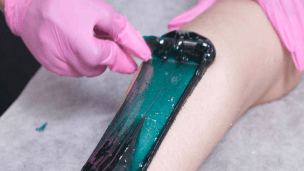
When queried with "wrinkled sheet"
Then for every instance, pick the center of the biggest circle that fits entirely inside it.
(269, 137)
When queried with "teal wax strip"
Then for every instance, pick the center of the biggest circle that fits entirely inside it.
(153, 102)
(154, 95)
(41, 129)
(162, 106)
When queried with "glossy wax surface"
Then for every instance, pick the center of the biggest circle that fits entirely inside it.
(151, 100)
(179, 60)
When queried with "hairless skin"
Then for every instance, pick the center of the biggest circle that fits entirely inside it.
(180, 58)
(252, 67)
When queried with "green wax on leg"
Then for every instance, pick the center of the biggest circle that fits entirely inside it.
(175, 78)
(156, 91)
(160, 89)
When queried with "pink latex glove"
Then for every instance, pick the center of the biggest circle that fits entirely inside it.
(189, 15)
(286, 16)
(59, 33)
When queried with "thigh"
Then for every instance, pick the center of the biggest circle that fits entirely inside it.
(251, 67)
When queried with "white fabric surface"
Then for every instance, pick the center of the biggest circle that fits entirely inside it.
(268, 137)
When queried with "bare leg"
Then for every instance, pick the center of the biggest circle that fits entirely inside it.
(251, 68)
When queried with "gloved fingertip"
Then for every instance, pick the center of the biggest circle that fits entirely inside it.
(145, 54)
(173, 27)
(131, 70)
(122, 62)
(96, 71)
(179, 21)
(189, 15)
(132, 41)
(125, 69)
(176, 20)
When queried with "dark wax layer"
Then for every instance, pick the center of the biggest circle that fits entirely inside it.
(134, 135)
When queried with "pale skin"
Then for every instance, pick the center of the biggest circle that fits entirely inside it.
(251, 67)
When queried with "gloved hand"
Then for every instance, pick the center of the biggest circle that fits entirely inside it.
(189, 15)
(59, 33)
(287, 18)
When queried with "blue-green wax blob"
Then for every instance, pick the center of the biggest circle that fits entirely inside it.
(41, 129)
